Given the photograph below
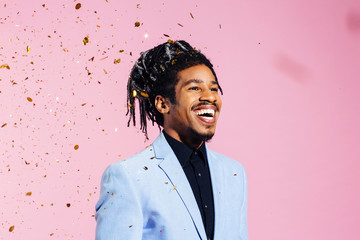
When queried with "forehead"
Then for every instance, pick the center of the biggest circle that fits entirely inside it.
(200, 74)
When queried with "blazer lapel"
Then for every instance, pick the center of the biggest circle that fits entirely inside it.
(217, 182)
(173, 170)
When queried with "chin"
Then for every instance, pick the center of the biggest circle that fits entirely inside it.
(202, 136)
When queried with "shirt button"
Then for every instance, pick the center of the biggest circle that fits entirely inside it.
(199, 174)
(205, 206)
(196, 153)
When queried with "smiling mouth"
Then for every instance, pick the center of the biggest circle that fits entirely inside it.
(206, 115)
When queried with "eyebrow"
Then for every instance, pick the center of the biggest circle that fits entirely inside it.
(198, 81)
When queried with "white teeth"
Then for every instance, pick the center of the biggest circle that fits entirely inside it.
(206, 111)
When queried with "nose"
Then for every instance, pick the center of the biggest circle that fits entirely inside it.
(208, 95)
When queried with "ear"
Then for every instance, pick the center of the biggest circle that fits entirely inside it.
(162, 104)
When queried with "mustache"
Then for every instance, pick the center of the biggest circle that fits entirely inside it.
(205, 103)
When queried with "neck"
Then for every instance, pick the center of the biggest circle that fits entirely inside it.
(189, 140)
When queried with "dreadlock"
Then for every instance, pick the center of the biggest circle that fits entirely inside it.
(155, 73)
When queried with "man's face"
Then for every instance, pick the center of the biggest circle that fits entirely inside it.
(194, 115)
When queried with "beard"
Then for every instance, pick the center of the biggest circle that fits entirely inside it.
(202, 137)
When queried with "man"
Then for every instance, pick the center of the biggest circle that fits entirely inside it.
(176, 188)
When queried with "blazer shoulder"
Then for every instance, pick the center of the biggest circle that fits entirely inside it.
(225, 161)
(135, 160)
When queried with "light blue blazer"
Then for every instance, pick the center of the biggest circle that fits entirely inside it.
(148, 196)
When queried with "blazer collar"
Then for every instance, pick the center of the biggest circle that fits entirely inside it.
(173, 170)
(218, 183)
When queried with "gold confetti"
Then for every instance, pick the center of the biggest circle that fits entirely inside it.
(174, 187)
(76, 147)
(120, 51)
(137, 24)
(144, 94)
(130, 226)
(5, 66)
(83, 104)
(191, 16)
(51, 234)
(86, 40)
(180, 25)
(116, 61)
(28, 49)
(170, 41)
(29, 99)
(68, 204)
(134, 93)
(28, 193)
(11, 228)
(78, 6)
(3, 125)
(166, 35)
(146, 168)
(104, 58)
(235, 174)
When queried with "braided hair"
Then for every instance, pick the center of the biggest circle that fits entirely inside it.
(155, 73)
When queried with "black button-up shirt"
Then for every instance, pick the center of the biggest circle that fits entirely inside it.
(195, 166)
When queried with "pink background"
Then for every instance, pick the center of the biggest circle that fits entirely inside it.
(290, 73)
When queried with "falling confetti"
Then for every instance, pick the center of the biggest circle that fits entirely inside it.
(137, 24)
(5, 66)
(3, 125)
(191, 16)
(144, 94)
(116, 61)
(28, 193)
(86, 40)
(27, 49)
(180, 25)
(68, 204)
(134, 93)
(78, 6)
(29, 99)
(166, 35)
(76, 147)
(11, 228)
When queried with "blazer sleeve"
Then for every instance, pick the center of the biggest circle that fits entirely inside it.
(243, 211)
(118, 211)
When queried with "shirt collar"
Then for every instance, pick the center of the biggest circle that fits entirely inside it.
(182, 151)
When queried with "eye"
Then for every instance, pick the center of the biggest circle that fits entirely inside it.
(194, 88)
(214, 89)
